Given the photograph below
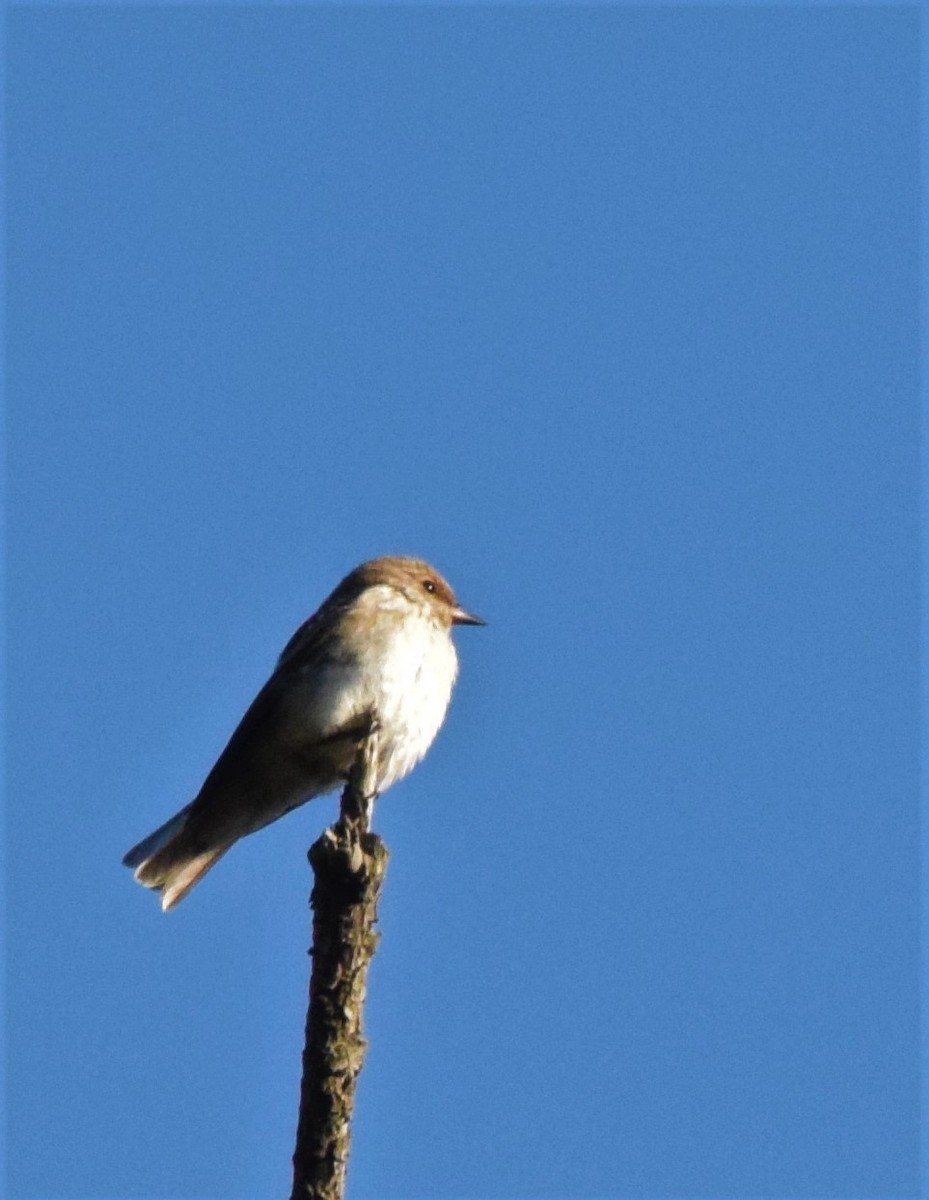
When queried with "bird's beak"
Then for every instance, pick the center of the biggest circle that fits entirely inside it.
(460, 617)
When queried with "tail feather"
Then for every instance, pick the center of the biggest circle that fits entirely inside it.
(156, 841)
(181, 878)
(171, 861)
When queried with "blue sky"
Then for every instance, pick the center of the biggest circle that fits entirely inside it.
(612, 314)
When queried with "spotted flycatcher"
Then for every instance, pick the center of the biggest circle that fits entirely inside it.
(379, 649)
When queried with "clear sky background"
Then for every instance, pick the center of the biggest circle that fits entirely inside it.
(612, 314)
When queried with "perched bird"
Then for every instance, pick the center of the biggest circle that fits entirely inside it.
(380, 649)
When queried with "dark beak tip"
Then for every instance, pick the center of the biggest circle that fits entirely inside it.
(465, 618)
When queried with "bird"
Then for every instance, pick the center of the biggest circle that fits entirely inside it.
(377, 653)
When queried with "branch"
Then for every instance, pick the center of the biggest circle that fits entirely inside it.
(349, 863)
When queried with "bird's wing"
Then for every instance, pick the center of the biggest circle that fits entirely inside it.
(311, 635)
(282, 712)
(278, 755)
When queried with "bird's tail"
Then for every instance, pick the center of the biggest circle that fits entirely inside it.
(171, 860)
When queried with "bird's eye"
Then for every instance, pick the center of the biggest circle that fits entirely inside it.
(429, 585)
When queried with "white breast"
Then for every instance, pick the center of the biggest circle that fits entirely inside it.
(410, 689)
